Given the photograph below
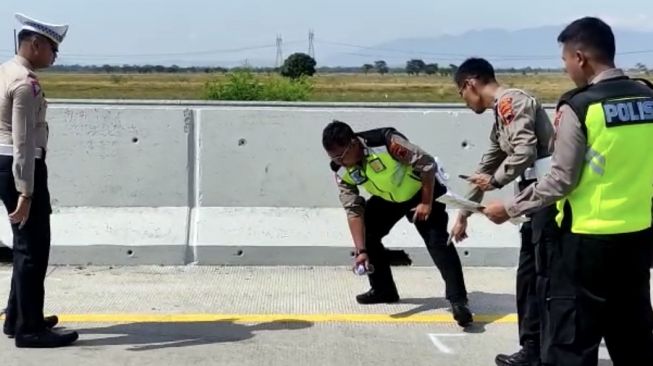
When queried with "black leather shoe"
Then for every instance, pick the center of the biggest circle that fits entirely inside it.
(46, 339)
(50, 322)
(461, 313)
(529, 355)
(374, 297)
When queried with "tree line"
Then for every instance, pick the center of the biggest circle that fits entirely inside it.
(303, 64)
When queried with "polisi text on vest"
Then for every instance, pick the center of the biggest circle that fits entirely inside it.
(628, 111)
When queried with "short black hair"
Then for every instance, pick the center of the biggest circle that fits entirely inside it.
(590, 33)
(24, 35)
(474, 67)
(337, 133)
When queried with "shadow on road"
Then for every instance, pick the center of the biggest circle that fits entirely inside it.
(159, 335)
(492, 306)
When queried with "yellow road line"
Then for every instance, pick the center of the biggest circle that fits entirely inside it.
(264, 318)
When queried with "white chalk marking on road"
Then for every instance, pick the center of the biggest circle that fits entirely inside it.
(439, 345)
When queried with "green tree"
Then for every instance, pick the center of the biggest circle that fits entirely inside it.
(367, 68)
(297, 65)
(415, 66)
(642, 68)
(431, 69)
(381, 67)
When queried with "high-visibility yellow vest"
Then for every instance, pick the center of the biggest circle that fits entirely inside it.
(613, 195)
(380, 174)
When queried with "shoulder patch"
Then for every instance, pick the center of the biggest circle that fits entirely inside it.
(556, 121)
(399, 150)
(505, 110)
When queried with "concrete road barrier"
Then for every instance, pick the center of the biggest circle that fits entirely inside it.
(142, 182)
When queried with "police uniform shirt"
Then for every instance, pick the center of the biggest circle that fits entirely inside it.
(522, 132)
(401, 150)
(22, 118)
(570, 144)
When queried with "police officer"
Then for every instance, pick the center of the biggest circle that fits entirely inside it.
(24, 185)
(601, 174)
(520, 136)
(403, 180)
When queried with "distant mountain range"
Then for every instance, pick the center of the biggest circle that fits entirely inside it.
(534, 47)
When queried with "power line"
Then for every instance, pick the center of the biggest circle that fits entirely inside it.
(187, 53)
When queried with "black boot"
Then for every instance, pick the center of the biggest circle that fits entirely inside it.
(50, 322)
(461, 313)
(529, 355)
(375, 297)
(46, 339)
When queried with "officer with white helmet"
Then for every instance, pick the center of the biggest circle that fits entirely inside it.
(24, 182)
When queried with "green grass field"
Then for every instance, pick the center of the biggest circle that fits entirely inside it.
(327, 87)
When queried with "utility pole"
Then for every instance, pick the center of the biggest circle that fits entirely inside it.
(279, 51)
(311, 47)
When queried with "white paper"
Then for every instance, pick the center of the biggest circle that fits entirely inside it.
(454, 200)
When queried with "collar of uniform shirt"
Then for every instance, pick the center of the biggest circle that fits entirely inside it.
(23, 61)
(366, 149)
(607, 74)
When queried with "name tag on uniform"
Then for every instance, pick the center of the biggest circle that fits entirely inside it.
(631, 111)
(377, 165)
(357, 176)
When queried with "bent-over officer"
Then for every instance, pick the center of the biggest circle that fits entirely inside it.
(403, 181)
(24, 182)
(600, 179)
(519, 142)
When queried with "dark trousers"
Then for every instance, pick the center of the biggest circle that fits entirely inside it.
(598, 288)
(382, 215)
(31, 249)
(528, 316)
(528, 270)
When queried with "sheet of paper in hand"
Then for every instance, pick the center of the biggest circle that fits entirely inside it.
(454, 200)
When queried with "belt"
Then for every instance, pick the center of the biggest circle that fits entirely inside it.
(8, 150)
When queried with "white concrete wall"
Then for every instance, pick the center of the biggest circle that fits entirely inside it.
(143, 182)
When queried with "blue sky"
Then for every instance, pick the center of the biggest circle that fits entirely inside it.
(114, 31)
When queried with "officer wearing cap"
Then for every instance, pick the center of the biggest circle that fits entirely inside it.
(519, 142)
(403, 181)
(24, 185)
(600, 180)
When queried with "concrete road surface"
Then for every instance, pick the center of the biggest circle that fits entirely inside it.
(267, 316)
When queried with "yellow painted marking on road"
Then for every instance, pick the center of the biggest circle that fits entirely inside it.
(265, 318)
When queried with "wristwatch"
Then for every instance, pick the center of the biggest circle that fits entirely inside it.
(361, 251)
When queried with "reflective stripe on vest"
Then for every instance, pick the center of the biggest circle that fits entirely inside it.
(383, 176)
(614, 193)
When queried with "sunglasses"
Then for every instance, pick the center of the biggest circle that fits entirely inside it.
(338, 158)
(463, 87)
